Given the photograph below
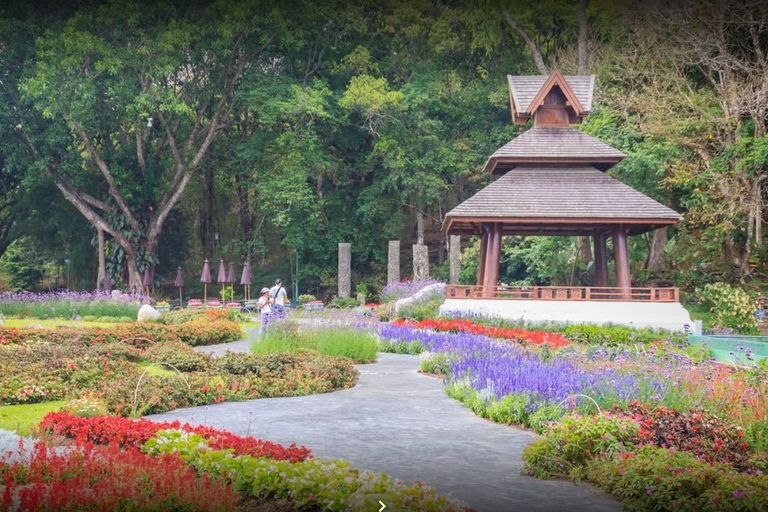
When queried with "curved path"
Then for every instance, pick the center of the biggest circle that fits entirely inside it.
(400, 422)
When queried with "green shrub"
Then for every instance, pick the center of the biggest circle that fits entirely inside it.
(402, 347)
(437, 364)
(421, 310)
(179, 355)
(303, 299)
(344, 303)
(574, 440)
(541, 419)
(512, 409)
(731, 307)
(756, 435)
(357, 344)
(661, 479)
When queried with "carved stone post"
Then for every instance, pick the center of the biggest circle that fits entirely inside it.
(453, 259)
(393, 262)
(420, 263)
(345, 270)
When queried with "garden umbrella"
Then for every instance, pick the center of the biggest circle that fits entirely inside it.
(107, 283)
(147, 279)
(179, 283)
(231, 278)
(245, 279)
(205, 279)
(222, 277)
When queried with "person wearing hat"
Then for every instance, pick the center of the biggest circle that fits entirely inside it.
(265, 309)
(277, 293)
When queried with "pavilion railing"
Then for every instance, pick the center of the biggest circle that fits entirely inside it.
(563, 293)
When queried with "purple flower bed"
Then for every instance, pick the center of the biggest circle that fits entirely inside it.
(498, 369)
(397, 291)
(69, 304)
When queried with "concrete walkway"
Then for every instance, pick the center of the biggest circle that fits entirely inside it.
(400, 422)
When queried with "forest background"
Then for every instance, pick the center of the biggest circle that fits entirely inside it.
(167, 132)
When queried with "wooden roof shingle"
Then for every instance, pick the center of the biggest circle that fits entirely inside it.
(523, 89)
(552, 145)
(559, 200)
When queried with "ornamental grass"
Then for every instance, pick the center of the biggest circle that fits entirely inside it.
(69, 304)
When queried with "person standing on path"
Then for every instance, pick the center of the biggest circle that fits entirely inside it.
(265, 309)
(277, 293)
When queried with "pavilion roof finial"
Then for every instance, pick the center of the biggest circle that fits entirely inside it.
(555, 100)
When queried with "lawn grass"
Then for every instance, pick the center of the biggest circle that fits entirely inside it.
(52, 323)
(359, 345)
(19, 418)
(158, 369)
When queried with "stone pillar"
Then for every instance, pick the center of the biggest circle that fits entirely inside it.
(621, 259)
(492, 261)
(453, 259)
(420, 262)
(601, 260)
(393, 262)
(483, 255)
(345, 270)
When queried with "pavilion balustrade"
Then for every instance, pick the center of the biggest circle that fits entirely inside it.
(563, 293)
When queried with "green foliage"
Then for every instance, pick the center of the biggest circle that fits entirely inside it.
(105, 310)
(731, 307)
(303, 299)
(436, 364)
(23, 264)
(421, 310)
(402, 347)
(574, 440)
(179, 355)
(358, 345)
(756, 435)
(344, 303)
(670, 480)
(613, 334)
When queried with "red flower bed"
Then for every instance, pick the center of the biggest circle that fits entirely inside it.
(110, 478)
(553, 340)
(125, 432)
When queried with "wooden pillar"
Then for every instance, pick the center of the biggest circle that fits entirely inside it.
(621, 258)
(492, 260)
(601, 260)
(483, 255)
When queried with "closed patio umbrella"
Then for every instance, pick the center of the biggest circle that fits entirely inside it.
(231, 277)
(179, 283)
(221, 278)
(147, 279)
(245, 279)
(205, 279)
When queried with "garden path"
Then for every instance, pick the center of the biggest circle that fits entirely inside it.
(402, 423)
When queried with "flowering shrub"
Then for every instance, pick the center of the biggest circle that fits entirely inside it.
(109, 478)
(663, 479)
(198, 332)
(134, 433)
(705, 435)
(731, 307)
(574, 440)
(553, 340)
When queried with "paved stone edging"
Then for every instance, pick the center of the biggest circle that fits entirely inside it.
(402, 423)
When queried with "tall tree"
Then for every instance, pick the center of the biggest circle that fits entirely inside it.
(127, 100)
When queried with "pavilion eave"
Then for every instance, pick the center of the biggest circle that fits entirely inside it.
(523, 226)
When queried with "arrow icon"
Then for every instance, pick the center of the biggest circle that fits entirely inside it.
(383, 506)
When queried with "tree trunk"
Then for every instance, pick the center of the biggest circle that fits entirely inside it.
(419, 227)
(532, 46)
(246, 219)
(656, 252)
(207, 224)
(583, 50)
(134, 276)
(102, 261)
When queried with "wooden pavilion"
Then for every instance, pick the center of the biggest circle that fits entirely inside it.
(554, 183)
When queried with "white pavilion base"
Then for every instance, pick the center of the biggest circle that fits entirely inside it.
(655, 315)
